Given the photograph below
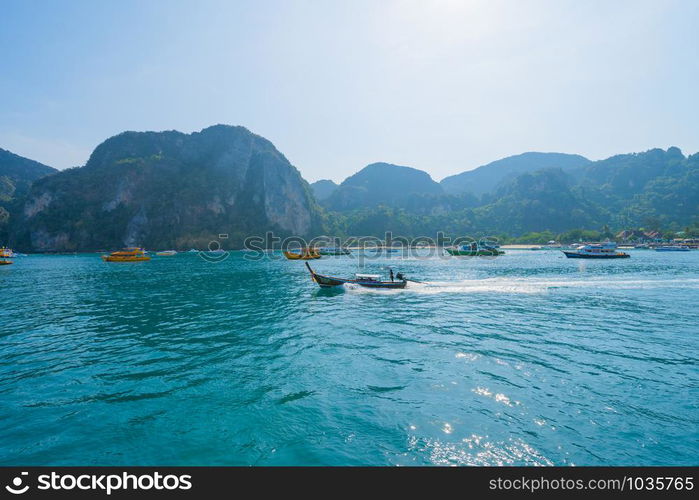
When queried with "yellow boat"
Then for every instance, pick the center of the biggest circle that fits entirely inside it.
(6, 253)
(306, 254)
(127, 255)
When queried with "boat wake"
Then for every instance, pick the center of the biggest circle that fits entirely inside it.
(532, 286)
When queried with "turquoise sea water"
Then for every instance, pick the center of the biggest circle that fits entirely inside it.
(526, 359)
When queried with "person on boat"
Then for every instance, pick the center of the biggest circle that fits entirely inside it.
(399, 276)
(390, 271)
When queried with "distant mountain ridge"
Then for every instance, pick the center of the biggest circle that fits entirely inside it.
(488, 177)
(656, 187)
(323, 188)
(175, 190)
(381, 184)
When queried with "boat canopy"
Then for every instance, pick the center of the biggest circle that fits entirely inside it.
(368, 276)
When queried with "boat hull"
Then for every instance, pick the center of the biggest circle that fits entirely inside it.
(577, 255)
(303, 256)
(5, 262)
(381, 284)
(326, 281)
(332, 281)
(109, 258)
(334, 252)
(482, 252)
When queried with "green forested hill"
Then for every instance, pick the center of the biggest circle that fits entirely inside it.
(381, 184)
(169, 190)
(488, 178)
(16, 177)
(635, 187)
(323, 188)
(543, 199)
(655, 188)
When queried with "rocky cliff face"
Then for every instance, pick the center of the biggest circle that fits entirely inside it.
(16, 176)
(169, 190)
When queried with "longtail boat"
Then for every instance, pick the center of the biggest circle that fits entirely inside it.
(305, 254)
(365, 280)
(127, 255)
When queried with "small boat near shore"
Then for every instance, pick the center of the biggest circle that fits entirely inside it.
(474, 250)
(132, 254)
(681, 248)
(5, 254)
(166, 253)
(334, 251)
(304, 254)
(596, 251)
(365, 280)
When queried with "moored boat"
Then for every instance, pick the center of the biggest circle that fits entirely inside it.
(166, 253)
(333, 251)
(132, 254)
(680, 248)
(5, 255)
(552, 245)
(605, 250)
(304, 254)
(474, 250)
(365, 280)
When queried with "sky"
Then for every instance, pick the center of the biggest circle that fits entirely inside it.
(443, 86)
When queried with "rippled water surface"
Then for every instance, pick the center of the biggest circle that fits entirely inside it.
(526, 359)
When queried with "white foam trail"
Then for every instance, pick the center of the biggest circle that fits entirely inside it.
(531, 285)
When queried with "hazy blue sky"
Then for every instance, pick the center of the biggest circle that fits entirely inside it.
(443, 86)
